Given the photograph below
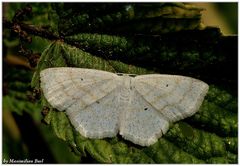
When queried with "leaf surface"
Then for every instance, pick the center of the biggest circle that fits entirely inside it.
(188, 141)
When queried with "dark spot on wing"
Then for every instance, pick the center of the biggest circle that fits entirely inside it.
(81, 79)
(97, 102)
(167, 85)
(145, 108)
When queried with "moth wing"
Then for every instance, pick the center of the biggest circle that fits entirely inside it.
(88, 96)
(174, 97)
(141, 123)
(64, 86)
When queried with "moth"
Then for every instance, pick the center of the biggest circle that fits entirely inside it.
(101, 104)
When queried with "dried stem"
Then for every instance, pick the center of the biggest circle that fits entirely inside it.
(31, 29)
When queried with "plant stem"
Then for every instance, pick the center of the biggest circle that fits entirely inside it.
(31, 29)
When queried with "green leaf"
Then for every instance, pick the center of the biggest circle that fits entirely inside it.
(188, 52)
(210, 136)
(222, 121)
(222, 98)
(127, 17)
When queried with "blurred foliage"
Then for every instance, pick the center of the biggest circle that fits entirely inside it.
(229, 12)
(134, 38)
